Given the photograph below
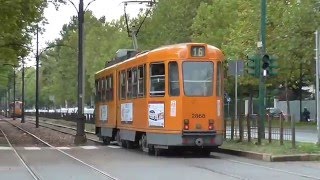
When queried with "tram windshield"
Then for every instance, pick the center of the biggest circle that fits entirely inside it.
(198, 78)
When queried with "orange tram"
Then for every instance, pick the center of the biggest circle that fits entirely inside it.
(15, 109)
(170, 97)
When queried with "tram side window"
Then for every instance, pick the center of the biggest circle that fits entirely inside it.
(97, 91)
(219, 79)
(141, 81)
(105, 82)
(123, 85)
(157, 79)
(111, 87)
(174, 79)
(129, 83)
(109, 90)
(134, 83)
(102, 93)
(106, 88)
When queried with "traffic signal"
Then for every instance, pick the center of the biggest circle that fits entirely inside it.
(253, 65)
(265, 64)
(273, 69)
(269, 65)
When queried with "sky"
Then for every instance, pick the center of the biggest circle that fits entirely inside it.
(111, 9)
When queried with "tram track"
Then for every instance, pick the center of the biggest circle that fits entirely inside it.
(55, 126)
(25, 164)
(204, 168)
(33, 173)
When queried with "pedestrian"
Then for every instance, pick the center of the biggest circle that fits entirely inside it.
(306, 115)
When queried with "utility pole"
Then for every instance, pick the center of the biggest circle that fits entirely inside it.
(236, 93)
(14, 92)
(37, 80)
(9, 89)
(261, 129)
(80, 135)
(317, 83)
(300, 92)
(22, 98)
(7, 103)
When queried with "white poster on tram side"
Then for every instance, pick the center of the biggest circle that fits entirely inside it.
(126, 112)
(173, 108)
(103, 112)
(218, 108)
(156, 114)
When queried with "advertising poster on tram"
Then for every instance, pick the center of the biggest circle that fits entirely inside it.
(126, 112)
(103, 112)
(156, 114)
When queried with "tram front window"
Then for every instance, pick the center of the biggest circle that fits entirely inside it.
(198, 78)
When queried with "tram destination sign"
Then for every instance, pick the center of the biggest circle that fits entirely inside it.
(198, 51)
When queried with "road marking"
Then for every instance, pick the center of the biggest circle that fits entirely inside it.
(5, 148)
(115, 147)
(89, 147)
(32, 148)
(63, 148)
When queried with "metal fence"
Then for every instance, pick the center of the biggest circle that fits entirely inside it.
(245, 128)
(63, 116)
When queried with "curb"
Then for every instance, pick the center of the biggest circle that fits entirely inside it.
(269, 157)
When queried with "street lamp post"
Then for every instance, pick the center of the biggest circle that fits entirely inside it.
(22, 94)
(7, 103)
(80, 135)
(8, 100)
(37, 80)
(14, 93)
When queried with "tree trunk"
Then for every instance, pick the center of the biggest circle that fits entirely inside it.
(288, 103)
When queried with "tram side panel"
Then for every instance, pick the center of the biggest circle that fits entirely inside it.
(131, 102)
(105, 111)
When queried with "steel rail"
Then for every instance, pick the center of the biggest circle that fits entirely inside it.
(62, 126)
(67, 154)
(20, 158)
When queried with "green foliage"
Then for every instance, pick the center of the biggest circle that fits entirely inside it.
(233, 26)
(291, 37)
(208, 25)
(17, 22)
(18, 19)
(170, 23)
(60, 63)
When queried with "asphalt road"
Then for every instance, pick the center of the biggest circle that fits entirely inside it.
(46, 163)
(134, 165)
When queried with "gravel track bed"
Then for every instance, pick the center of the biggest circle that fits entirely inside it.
(17, 137)
(52, 137)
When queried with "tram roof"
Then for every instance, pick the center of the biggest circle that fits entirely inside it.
(168, 52)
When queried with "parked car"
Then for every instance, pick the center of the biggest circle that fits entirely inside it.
(275, 112)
